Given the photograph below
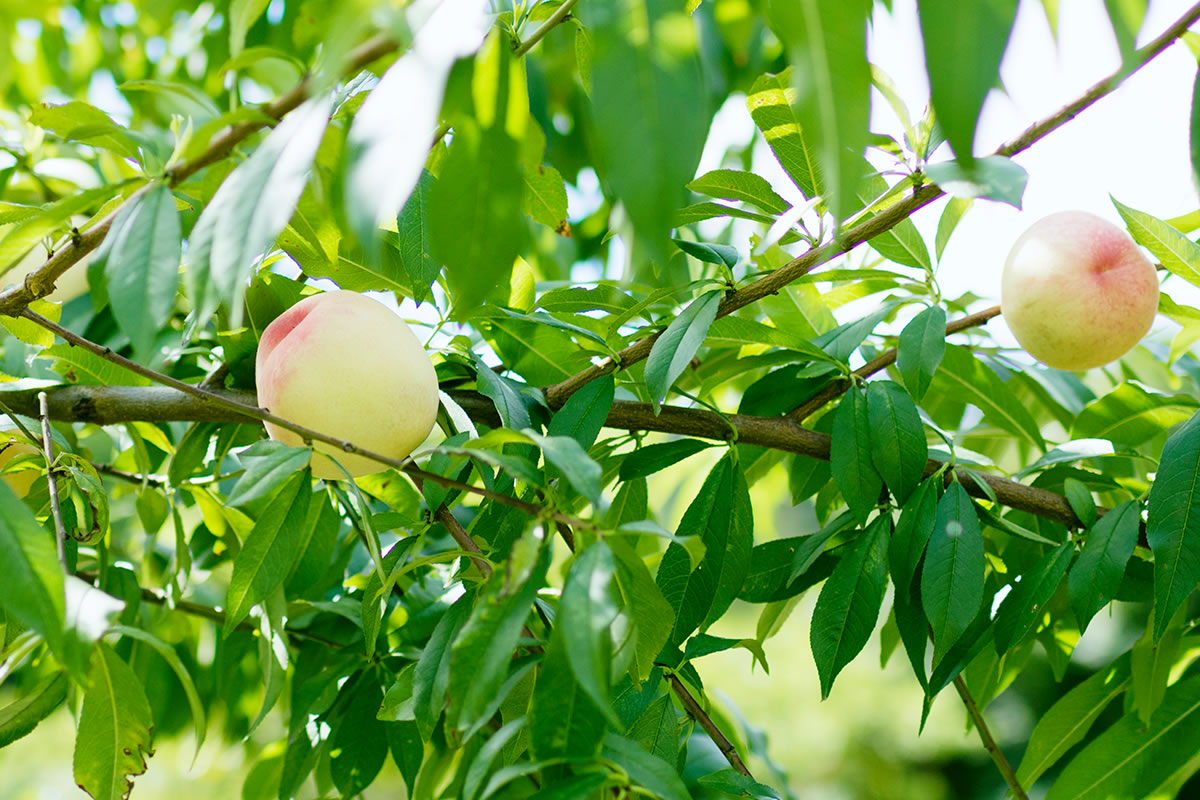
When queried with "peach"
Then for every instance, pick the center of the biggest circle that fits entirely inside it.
(1077, 292)
(344, 364)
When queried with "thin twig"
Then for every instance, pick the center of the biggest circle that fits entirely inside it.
(836, 388)
(554, 19)
(457, 532)
(60, 531)
(706, 722)
(989, 742)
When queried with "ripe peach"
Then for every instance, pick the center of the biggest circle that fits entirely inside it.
(1077, 292)
(343, 364)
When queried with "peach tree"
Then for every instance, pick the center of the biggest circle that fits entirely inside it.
(518, 609)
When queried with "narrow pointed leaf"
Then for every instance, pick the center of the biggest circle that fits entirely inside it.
(1096, 575)
(677, 345)
(1173, 522)
(851, 460)
(1026, 602)
(587, 611)
(115, 725)
(771, 102)
(897, 437)
(920, 348)
(952, 580)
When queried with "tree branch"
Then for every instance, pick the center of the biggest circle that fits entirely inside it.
(557, 394)
(706, 722)
(989, 742)
(560, 14)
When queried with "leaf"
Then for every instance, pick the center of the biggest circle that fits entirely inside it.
(722, 517)
(1173, 522)
(267, 464)
(563, 722)
(827, 47)
(253, 205)
(1194, 130)
(269, 551)
(1026, 603)
(242, 16)
(31, 579)
(199, 723)
(850, 459)
(23, 714)
(952, 580)
(1067, 721)
(487, 756)
(990, 177)
(902, 243)
(720, 254)
(1177, 253)
(81, 122)
(413, 239)
(918, 519)
(388, 141)
(654, 458)
(674, 349)
(920, 349)
(732, 184)
(1130, 759)
(115, 727)
(586, 613)
(657, 729)
(432, 672)
(651, 115)
(482, 650)
(961, 374)
(964, 43)
(358, 743)
(510, 405)
(569, 458)
(952, 214)
(585, 412)
(140, 258)
(732, 782)
(771, 102)
(546, 198)
(849, 603)
(897, 438)
(1097, 573)
(652, 615)
(645, 769)
(1130, 415)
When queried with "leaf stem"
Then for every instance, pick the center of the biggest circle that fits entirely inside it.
(60, 532)
(554, 19)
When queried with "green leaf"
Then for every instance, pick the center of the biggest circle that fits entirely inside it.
(585, 412)
(654, 458)
(23, 714)
(1067, 721)
(545, 197)
(140, 258)
(1194, 130)
(432, 672)
(1173, 522)
(698, 212)
(482, 650)
(849, 603)
(269, 551)
(952, 214)
(827, 47)
(1079, 497)
(587, 611)
(199, 723)
(476, 220)
(962, 375)
(645, 769)
(31, 579)
(897, 438)
(1130, 415)
(964, 43)
(1096, 575)
(652, 615)
(650, 110)
(771, 102)
(242, 16)
(657, 729)
(674, 349)
(918, 519)
(732, 782)
(563, 721)
(732, 184)
(1026, 603)
(850, 458)
(920, 349)
(901, 243)
(253, 205)
(952, 580)
(720, 254)
(1151, 662)
(413, 238)
(115, 727)
(505, 394)
(1131, 759)
(487, 756)
(990, 177)
(1177, 253)
(358, 744)
(722, 516)
(81, 122)
(267, 464)
(569, 458)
